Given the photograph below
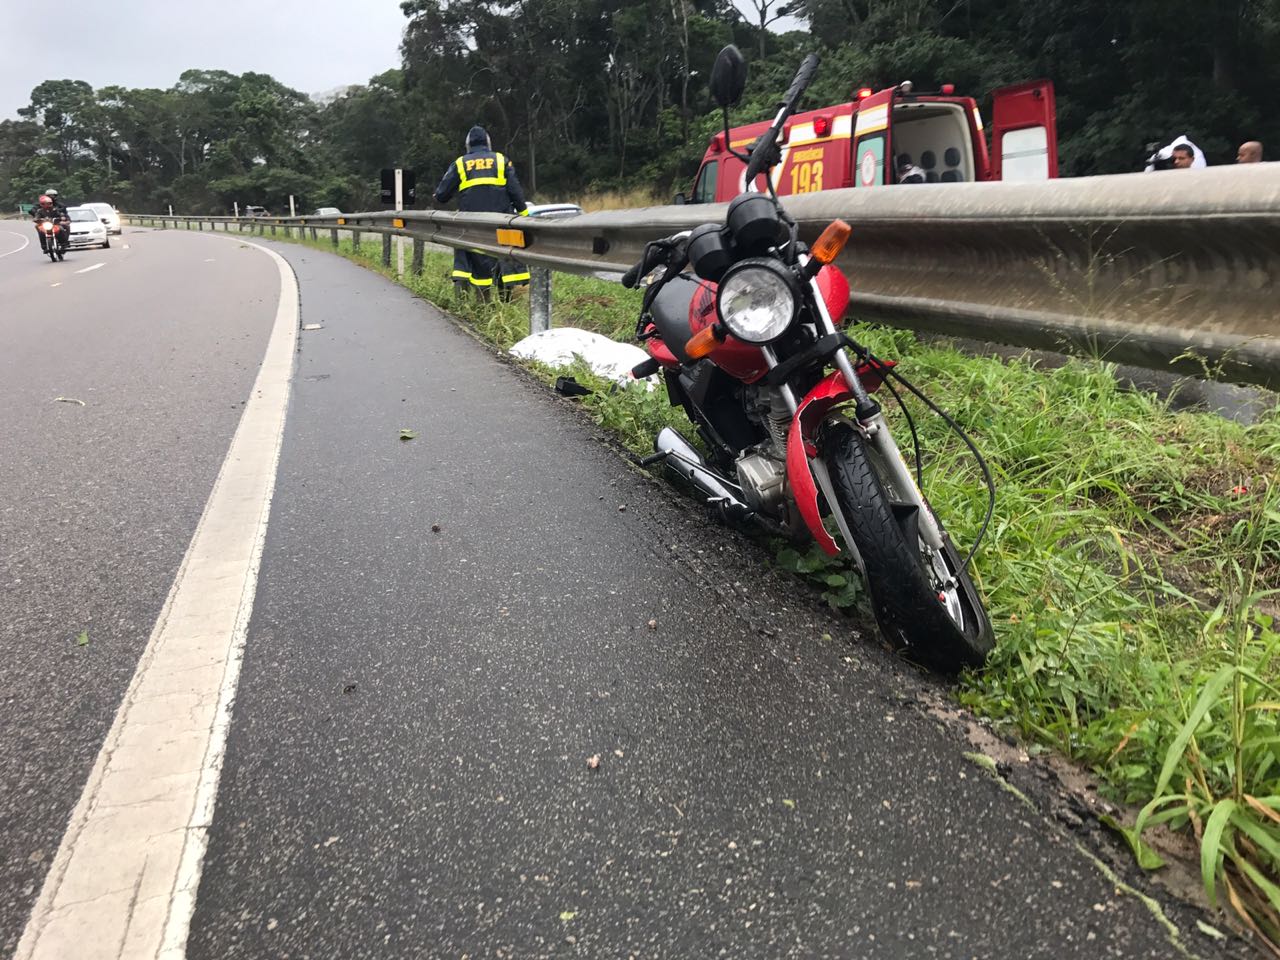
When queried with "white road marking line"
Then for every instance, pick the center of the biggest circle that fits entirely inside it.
(94, 267)
(124, 881)
(26, 242)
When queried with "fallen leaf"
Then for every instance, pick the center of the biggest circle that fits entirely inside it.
(435, 528)
(789, 804)
(1147, 858)
(83, 639)
(1209, 931)
(406, 434)
(567, 915)
(593, 762)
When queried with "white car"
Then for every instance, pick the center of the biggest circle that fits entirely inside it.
(554, 210)
(108, 215)
(87, 229)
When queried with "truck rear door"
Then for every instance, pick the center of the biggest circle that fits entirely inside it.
(1024, 132)
(872, 151)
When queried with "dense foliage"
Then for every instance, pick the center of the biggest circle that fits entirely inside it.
(585, 93)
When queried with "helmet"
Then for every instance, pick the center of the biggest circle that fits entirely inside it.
(46, 200)
(478, 137)
(53, 193)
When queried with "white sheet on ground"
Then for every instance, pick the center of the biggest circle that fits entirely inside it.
(606, 358)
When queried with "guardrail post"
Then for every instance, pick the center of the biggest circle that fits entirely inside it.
(333, 235)
(355, 241)
(539, 299)
(416, 266)
(314, 234)
(273, 229)
(386, 249)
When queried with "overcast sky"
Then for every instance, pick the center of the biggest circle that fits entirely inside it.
(310, 45)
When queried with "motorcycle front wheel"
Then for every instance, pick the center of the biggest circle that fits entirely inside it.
(924, 599)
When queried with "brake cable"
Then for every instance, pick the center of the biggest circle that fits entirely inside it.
(886, 371)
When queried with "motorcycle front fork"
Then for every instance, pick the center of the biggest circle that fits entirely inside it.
(875, 430)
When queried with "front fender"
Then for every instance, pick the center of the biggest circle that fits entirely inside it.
(828, 394)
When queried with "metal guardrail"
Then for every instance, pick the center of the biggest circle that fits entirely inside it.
(1178, 270)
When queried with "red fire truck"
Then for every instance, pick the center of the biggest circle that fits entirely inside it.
(894, 136)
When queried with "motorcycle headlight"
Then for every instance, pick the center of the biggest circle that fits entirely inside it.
(757, 300)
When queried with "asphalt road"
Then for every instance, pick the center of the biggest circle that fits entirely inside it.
(446, 630)
(98, 502)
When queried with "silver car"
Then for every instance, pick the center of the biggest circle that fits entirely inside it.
(87, 229)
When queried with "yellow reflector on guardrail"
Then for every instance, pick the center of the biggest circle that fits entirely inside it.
(341, 221)
(397, 223)
(511, 238)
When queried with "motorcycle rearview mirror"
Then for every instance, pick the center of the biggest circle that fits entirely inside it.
(728, 77)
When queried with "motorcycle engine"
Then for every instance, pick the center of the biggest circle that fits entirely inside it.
(763, 481)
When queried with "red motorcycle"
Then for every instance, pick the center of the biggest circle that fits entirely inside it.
(749, 347)
(53, 237)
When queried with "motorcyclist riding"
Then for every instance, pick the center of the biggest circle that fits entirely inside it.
(49, 208)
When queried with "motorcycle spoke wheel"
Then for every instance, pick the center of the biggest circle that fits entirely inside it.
(925, 601)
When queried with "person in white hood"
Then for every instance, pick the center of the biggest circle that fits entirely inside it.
(1167, 154)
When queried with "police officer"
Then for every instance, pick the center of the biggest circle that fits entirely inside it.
(49, 207)
(484, 182)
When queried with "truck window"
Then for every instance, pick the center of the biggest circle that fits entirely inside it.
(1025, 154)
(704, 191)
(869, 171)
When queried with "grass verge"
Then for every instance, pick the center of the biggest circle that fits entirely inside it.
(1132, 571)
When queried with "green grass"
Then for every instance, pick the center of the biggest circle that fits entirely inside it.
(1130, 569)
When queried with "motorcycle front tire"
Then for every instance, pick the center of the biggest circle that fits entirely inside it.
(903, 593)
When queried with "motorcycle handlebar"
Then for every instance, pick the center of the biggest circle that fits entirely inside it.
(655, 254)
(764, 147)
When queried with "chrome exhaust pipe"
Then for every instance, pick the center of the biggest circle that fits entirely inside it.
(682, 458)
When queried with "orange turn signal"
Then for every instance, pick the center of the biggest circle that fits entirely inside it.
(832, 241)
(704, 342)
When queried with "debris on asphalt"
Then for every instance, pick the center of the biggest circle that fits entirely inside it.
(69, 400)
(406, 434)
(435, 528)
(83, 639)
(653, 624)
(350, 688)
(593, 762)
(313, 326)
